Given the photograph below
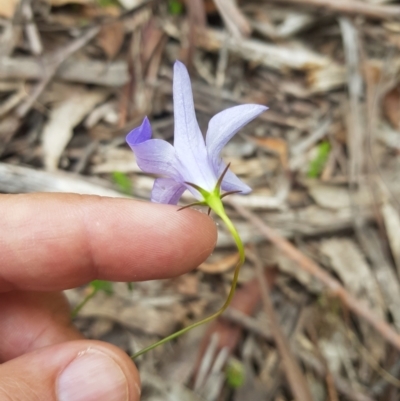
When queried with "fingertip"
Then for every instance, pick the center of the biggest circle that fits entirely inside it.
(73, 371)
(167, 242)
(191, 235)
(203, 225)
(99, 372)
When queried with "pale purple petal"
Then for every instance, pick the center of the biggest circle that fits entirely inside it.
(153, 156)
(166, 190)
(140, 134)
(232, 183)
(191, 160)
(224, 125)
(188, 139)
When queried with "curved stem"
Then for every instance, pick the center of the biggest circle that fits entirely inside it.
(219, 210)
(83, 303)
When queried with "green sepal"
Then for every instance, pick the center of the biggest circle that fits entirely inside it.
(102, 285)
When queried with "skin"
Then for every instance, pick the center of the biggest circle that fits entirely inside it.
(52, 242)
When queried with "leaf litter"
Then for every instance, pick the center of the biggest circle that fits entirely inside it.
(323, 217)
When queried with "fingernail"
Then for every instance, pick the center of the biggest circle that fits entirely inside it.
(92, 376)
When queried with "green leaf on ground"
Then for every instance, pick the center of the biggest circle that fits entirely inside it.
(175, 7)
(107, 3)
(317, 165)
(123, 182)
(235, 373)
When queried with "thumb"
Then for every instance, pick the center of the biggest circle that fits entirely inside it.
(74, 371)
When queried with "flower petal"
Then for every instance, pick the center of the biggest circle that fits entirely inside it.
(156, 156)
(224, 125)
(188, 139)
(232, 183)
(153, 156)
(167, 191)
(140, 134)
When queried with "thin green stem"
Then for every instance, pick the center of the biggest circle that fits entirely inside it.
(219, 210)
(83, 303)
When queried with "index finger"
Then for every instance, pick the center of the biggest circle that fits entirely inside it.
(55, 241)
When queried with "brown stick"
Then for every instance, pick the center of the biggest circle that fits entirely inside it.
(314, 269)
(350, 7)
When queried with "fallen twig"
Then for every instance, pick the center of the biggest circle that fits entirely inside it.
(31, 30)
(351, 7)
(74, 70)
(17, 179)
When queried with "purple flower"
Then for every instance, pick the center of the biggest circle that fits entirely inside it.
(191, 160)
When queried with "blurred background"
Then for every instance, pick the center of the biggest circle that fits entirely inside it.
(317, 311)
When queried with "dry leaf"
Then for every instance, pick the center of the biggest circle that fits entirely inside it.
(152, 37)
(335, 348)
(161, 389)
(329, 196)
(209, 6)
(93, 11)
(275, 145)
(391, 107)
(111, 38)
(221, 265)
(116, 159)
(186, 285)
(131, 4)
(137, 316)
(235, 21)
(392, 223)
(349, 264)
(383, 272)
(291, 268)
(336, 197)
(8, 8)
(63, 118)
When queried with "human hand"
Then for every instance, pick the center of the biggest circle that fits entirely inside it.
(51, 242)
